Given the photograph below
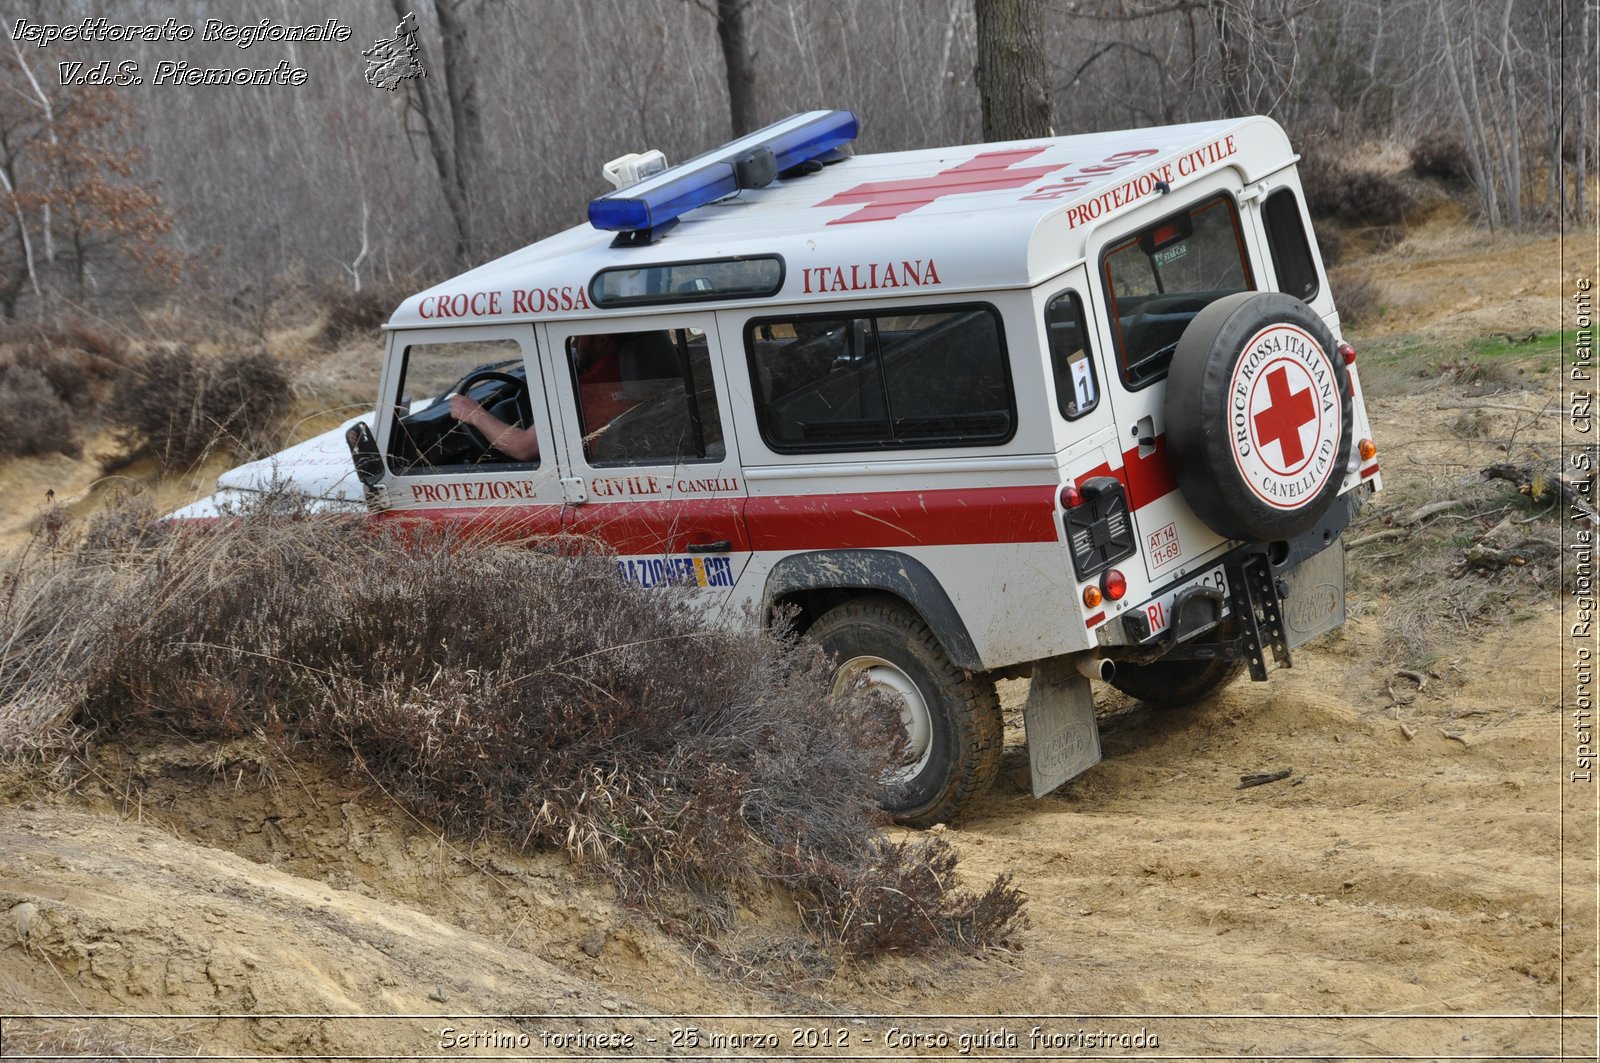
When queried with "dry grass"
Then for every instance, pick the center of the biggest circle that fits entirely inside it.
(525, 693)
(1457, 572)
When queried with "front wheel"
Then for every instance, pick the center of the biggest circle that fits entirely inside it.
(1170, 684)
(953, 730)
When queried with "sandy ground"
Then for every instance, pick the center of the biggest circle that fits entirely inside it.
(1421, 885)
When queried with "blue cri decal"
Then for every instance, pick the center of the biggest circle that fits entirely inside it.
(685, 571)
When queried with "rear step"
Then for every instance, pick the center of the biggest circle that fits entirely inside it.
(1258, 608)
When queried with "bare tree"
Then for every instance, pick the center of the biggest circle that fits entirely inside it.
(739, 62)
(454, 125)
(1012, 86)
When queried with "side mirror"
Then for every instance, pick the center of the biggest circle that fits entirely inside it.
(364, 453)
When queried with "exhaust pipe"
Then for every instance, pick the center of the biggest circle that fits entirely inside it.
(1092, 667)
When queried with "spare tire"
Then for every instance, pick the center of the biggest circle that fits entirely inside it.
(1258, 416)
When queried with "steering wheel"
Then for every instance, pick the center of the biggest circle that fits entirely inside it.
(519, 390)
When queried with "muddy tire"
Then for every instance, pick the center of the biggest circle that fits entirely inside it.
(1170, 684)
(1259, 416)
(953, 726)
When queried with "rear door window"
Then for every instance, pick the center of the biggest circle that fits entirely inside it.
(1159, 278)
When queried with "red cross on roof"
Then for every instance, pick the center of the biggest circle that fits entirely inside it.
(1281, 421)
(987, 172)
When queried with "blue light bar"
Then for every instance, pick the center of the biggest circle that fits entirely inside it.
(663, 198)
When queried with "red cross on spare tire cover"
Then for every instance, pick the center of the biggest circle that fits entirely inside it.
(1258, 416)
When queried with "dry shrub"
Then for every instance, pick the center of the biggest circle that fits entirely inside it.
(33, 418)
(1330, 244)
(176, 405)
(1357, 295)
(1355, 197)
(527, 693)
(51, 381)
(906, 899)
(1441, 156)
(1471, 372)
(352, 314)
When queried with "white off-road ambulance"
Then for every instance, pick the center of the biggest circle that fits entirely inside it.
(1064, 408)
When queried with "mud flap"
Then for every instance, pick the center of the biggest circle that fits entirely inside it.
(1063, 739)
(1314, 602)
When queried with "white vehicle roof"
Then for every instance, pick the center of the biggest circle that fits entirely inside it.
(954, 219)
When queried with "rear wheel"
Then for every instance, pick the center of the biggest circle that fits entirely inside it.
(952, 723)
(1169, 684)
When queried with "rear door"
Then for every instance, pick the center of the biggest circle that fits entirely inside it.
(1153, 278)
(652, 469)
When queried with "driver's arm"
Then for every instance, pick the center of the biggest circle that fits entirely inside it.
(518, 444)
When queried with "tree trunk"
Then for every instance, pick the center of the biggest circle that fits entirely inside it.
(1476, 141)
(1508, 64)
(1231, 66)
(465, 121)
(1012, 84)
(1556, 181)
(740, 65)
(443, 143)
(28, 272)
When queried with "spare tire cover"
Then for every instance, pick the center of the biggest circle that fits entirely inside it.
(1258, 416)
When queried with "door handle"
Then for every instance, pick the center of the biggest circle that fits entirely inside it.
(721, 546)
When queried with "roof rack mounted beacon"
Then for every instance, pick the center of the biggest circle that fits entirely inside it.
(640, 212)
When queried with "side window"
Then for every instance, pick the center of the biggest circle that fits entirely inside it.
(1077, 390)
(426, 438)
(1291, 249)
(1158, 279)
(646, 398)
(935, 377)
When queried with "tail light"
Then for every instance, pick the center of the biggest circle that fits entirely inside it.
(1347, 352)
(1099, 530)
(1091, 596)
(1116, 584)
(1369, 450)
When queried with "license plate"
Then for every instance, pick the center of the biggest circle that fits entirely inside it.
(1159, 610)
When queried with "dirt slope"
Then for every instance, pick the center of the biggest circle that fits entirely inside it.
(1409, 872)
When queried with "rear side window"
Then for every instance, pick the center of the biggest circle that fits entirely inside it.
(1291, 250)
(933, 377)
(1077, 391)
(1158, 279)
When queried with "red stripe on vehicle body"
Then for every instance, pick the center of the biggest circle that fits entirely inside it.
(502, 524)
(1146, 478)
(953, 517)
(661, 526)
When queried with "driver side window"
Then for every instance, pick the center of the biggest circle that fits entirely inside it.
(426, 438)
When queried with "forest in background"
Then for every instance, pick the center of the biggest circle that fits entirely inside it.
(121, 196)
